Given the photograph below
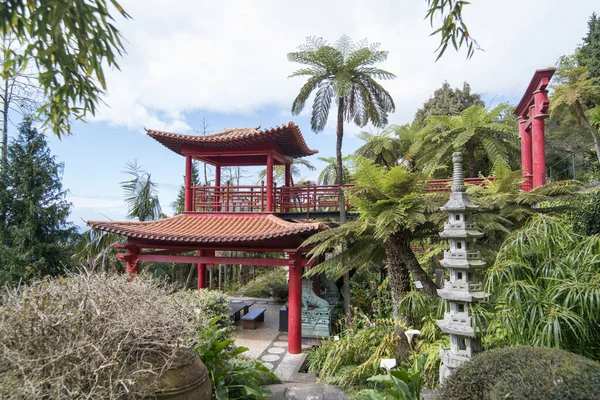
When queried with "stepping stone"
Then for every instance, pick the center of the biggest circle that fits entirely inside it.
(270, 358)
(269, 365)
(276, 350)
(283, 337)
(280, 343)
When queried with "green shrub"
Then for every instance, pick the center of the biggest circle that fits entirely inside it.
(199, 306)
(586, 213)
(260, 289)
(398, 384)
(231, 376)
(279, 291)
(356, 356)
(263, 288)
(524, 373)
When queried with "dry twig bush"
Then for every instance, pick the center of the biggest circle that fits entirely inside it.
(90, 336)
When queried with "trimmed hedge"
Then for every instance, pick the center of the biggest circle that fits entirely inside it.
(524, 373)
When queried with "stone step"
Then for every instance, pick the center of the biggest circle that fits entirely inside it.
(305, 391)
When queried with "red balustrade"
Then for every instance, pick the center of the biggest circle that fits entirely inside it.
(294, 199)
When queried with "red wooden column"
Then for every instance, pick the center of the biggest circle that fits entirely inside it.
(526, 165)
(217, 205)
(270, 182)
(538, 146)
(188, 204)
(201, 272)
(295, 304)
(288, 183)
(132, 267)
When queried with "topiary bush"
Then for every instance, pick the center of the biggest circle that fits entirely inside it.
(89, 336)
(524, 373)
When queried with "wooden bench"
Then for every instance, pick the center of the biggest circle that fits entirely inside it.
(236, 309)
(249, 320)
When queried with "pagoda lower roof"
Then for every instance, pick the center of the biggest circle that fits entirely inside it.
(287, 137)
(211, 228)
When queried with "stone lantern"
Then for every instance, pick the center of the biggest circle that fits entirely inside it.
(465, 285)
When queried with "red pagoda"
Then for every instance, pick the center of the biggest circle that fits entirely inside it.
(263, 218)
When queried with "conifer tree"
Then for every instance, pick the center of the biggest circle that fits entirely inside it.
(37, 238)
(589, 53)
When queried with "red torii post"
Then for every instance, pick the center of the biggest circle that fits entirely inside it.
(531, 112)
(295, 303)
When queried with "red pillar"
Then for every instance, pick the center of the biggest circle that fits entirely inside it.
(188, 184)
(132, 267)
(526, 164)
(538, 145)
(295, 305)
(270, 182)
(217, 188)
(201, 272)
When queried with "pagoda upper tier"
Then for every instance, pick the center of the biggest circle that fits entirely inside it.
(224, 148)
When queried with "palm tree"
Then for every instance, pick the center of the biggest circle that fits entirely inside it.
(392, 205)
(574, 87)
(474, 129)
(345, 72)
(328, 175)
(279, 171)
(385, 147)
(140, 194)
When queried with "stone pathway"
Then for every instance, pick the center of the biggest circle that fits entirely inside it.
(269, 346)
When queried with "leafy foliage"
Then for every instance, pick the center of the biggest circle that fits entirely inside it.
(231, 377)
(572, 90)
(528, 282)
(355, 357)
(343, 71)
(398, 384)
(71, 42)
(448, 101)
(474, 129)
(586, 214)
(524, 373)
(453, 29)
(141, 195)
(588, 54)
(36, 237)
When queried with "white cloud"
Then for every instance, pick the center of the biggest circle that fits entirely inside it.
(230, 57)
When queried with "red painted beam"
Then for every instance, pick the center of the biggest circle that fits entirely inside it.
(267, 262)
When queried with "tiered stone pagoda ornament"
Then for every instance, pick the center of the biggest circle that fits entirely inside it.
(465, 284)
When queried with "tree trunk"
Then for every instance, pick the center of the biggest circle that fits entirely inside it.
(5, 106)
(210, 277)
(340, 182)
(189, 277)
(397, 247)
(402, 261)
(579, 110)
(470, 147)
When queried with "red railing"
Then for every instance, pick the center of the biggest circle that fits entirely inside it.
(295, 199)
(444, 185)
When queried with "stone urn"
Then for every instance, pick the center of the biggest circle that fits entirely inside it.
(189, 381)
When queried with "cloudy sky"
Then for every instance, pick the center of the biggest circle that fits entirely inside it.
(225, 62)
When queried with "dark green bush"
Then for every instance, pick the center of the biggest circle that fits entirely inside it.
(279, 291)
(524, 373)
(260, 289)
(586, 213)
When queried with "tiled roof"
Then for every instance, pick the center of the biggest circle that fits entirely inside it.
(288, 137)
(209, 228)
